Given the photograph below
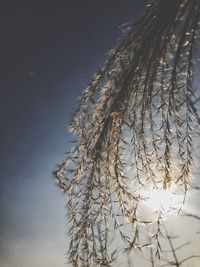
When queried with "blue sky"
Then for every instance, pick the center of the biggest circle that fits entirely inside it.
(48, 53)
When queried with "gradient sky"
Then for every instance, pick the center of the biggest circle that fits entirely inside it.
(48, 52)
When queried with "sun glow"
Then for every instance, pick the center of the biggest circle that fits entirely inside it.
(166, 200)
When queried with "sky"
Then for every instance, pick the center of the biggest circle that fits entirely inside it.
(48, 52)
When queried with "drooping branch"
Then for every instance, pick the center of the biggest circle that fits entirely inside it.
(173, 250)
(134, 127)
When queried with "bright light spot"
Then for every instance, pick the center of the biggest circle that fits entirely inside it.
(165, 200)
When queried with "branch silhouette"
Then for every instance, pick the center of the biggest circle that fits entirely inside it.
(135, 126)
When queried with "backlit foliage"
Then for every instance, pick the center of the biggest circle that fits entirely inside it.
(135, 127)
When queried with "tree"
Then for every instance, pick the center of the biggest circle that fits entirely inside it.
(135, 126)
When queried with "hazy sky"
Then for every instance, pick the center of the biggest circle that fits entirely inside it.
(48, 51)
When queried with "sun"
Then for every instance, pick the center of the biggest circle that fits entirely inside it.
(160, 199)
